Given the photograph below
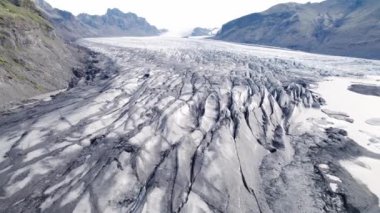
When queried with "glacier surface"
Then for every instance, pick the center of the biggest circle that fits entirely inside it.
(187, 125)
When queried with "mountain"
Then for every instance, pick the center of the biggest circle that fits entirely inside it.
(66, 24)
(113, 23)
(117, 23)
(337, 27)
(33, 59)
(199, 31)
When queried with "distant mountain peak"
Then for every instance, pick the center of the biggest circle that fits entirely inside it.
(115, 11)
(284, 7)
(200, 31)
(113, 23)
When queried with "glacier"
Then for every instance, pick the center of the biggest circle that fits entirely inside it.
(189, 125)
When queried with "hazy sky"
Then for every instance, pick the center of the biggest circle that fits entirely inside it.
(175, 14)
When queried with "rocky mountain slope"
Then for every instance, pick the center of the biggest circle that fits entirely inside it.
(187, 125)
(337, 27)
(33, 59)
(66, 24)
(36, 50)
(113, 23)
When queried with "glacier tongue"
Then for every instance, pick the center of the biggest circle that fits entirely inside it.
(185, 126)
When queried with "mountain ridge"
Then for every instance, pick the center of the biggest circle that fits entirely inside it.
(113, 23)
(336, 27)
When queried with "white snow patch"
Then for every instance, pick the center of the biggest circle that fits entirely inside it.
(316, 120)
(154, 200)
(32, 138)
(84, 205)
(196, 204)
(334, 187)
(333, 178)
(76, 173)
(34, 154)
(6, 143)
(359, 107)
(40, 168)
(365, 170)
(324, 166)
(72, 195)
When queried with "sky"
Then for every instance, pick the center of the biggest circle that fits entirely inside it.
(175, 15)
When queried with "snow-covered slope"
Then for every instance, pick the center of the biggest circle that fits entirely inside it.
(186, 125)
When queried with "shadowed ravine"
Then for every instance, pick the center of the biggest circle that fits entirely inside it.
(183, 126)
